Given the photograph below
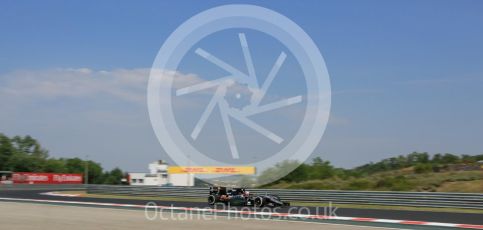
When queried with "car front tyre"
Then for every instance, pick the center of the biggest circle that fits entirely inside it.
(259, 202)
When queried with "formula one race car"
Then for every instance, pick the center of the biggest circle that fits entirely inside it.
(241, 197)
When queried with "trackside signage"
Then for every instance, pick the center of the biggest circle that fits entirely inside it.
(46, 178)
(245, 170)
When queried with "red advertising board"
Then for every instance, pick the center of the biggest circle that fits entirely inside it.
(46, 178)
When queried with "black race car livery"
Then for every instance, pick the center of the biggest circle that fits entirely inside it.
(242, 197)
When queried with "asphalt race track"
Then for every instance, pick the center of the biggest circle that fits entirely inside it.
(27, 216)
(460, 218)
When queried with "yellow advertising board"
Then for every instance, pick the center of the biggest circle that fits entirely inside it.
(246, 170)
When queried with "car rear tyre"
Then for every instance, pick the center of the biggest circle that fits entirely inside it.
(211, 200)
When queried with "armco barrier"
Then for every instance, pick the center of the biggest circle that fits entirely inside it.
(414, 199)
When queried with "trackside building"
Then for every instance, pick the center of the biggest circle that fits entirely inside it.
(159, 176)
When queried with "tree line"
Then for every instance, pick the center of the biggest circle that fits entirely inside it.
(421, 162)
(25, 154)
(319, 169)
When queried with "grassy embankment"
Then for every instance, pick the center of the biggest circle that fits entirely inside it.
(399, 180)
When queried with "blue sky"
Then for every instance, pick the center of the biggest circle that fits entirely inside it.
(406, 75)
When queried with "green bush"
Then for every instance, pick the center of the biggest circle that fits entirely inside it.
(398, 183)
(423, 168)
(359, 184)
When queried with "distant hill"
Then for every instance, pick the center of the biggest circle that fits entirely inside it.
(413, 172)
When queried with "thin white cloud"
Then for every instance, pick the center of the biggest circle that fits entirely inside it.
(442, 81)
(124, 84)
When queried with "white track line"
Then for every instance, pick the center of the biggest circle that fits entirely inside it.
(59, 194)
